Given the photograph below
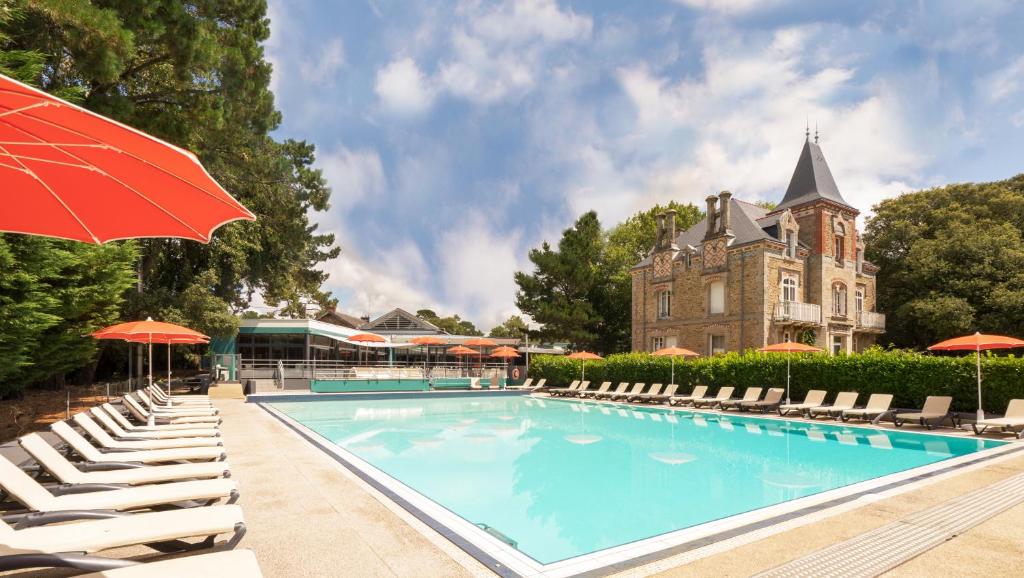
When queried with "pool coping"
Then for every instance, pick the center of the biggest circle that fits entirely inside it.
(507, 561)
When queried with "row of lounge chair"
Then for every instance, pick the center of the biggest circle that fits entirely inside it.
(934, 413)
(157, 476)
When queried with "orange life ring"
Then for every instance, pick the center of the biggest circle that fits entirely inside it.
(515, 373)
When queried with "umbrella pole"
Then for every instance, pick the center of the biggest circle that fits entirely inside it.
(168, 374)
(129, 366)
(151, 362)
(673, 380)
(787, 378)
(977, 358)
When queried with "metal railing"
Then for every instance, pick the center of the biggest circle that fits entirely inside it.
(268, 375)
(793, 311)
(871, 320)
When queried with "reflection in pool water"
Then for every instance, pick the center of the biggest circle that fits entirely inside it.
(563, 479)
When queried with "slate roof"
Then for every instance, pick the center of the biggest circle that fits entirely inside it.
(812, 180)
(744, 224)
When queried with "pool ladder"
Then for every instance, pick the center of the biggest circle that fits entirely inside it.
(497, 534)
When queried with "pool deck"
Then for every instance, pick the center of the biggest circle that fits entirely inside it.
(308, 515)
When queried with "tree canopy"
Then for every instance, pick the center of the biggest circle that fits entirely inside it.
(952, 261)
(512, 328)
(193, 74)
(581, 291)
(452, 324)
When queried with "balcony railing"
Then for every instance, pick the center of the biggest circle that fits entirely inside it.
(871, 320)
(794, 312)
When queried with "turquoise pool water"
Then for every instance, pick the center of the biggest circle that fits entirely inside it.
(567, 478)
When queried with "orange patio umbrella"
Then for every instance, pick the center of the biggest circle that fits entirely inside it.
(505, 353)
(367, 338)
(674, 352)
(584, 356)
(151, 332)
(426, 341)
(789, 347)
(481, 342)
(976, 343)
(70, 173)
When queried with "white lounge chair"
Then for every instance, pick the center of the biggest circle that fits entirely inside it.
(877, 406)
(723, 394)
(637, 388)
(158, 409)
(45, 543)
(699, 391)
(751, 394)
(814, 398)
(143, 414)
(771, 401)
(1012, 422)
(654, 390)
(621, 388)
(844, 400)
(91, 453)
(160, 396)
(101, 416)
(157, 428)
(85, 421)
(66, 472)
(37, 498)
(605, 386)
(934, 412)
(660, 397)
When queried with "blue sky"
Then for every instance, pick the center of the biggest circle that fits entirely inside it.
(456, 135)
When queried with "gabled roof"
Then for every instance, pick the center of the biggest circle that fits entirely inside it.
(398, 320)
(744, 224)
(812, 180)
(339, 318)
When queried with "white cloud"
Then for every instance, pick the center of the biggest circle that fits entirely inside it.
(403, 88)
(743, 120)
(527, 20)
(499, 52)
(326, 64)
(477, 262)
(727, 6)
(1018, 119)
(352, 175)
(1006, 81)
(374, 285)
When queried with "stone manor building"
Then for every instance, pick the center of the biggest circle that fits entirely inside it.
(745, 277)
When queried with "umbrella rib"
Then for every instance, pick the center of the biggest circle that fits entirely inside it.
(132, 155)
(48, 161)
(24, 108)
(55, 195)
(109, 176)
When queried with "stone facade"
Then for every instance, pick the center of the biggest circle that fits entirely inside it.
(746, 277)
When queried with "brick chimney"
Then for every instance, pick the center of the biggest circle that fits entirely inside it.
(670, 227)
(725, 224)
(712, 214)
(659, 237)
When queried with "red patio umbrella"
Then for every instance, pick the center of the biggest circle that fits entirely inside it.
(674, 352)
(789, 347)
(73, 174)
(976, 343)
(462, 351)
(151, 332)
(584, 356)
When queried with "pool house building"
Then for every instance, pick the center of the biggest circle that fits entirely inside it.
(320, 355)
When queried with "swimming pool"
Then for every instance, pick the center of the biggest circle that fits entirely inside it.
(559, 479)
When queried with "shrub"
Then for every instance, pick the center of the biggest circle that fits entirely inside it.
(909, 376)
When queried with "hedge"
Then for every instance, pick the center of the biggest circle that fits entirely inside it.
(909, 376)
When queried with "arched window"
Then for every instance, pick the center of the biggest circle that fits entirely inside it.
(716, 298)
(839, 300)
(664, 304)
(789, 287)
(840, 238)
